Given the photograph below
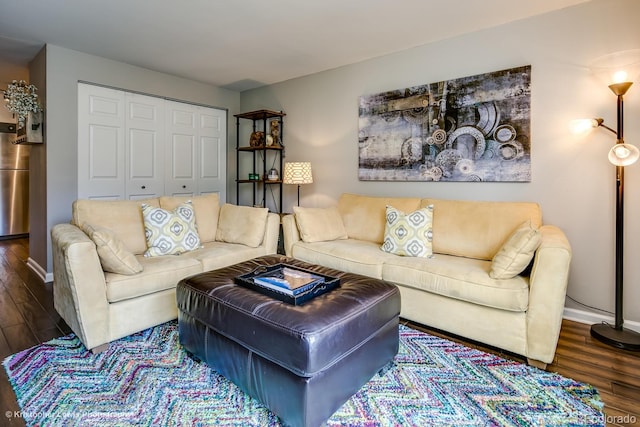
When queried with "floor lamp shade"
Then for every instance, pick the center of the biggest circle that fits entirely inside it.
(297, 173)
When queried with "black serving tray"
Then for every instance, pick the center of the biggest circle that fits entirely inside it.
(246, 280)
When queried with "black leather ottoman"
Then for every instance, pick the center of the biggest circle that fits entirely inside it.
(303, 362)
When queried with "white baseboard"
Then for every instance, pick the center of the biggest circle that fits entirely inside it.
(41, 272)
(589, 317)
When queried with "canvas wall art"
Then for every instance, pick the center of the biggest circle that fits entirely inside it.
(473, 128)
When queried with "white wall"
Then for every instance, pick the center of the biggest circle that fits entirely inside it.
(571, 177)
(64, 68)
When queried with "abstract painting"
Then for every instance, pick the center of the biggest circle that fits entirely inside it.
(468, 129)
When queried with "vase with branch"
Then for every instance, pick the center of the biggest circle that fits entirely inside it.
(22, 99)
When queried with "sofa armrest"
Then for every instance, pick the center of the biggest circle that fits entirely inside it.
(547, 292)
(79, 288)
(271, 234)
(289, 233)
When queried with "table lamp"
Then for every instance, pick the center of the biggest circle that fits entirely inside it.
(297, 173)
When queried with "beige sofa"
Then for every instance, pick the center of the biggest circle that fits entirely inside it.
(454, 290)
(101, 306)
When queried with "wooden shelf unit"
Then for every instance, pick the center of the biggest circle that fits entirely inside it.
(260, 166)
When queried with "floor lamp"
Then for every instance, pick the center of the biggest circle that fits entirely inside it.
(618, 68)
(297, 173)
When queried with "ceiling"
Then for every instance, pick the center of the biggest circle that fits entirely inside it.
(244, 44)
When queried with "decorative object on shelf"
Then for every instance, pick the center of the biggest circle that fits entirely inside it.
(254, 177)
(273, 175)
(297, 173)
(256, 139)
(618, 70)
(472, 129)
(21, 99)
(275, 133)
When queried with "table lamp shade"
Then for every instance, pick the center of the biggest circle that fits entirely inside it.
(297, 173)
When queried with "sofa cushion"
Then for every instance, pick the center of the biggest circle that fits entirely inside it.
(160, 273)
(114, 256)
(319, 224)
(206, 208)
(214, 255)
(242, 224)
(408, 234)
(516, 253)
(170, 232)
(364, 216)
(457, 277)
(477, 229)
(122, 217)
(352, 256)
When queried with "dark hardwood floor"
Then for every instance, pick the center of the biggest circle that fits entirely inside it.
(27, 317)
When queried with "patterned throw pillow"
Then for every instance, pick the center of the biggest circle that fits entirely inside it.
(170, 233)
(409, 234)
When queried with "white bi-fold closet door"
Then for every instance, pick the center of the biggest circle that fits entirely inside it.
(195, 149)
(133, 146)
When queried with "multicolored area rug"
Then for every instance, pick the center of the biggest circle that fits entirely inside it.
(148, 380)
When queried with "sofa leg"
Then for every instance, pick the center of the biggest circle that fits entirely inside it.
(537, 364)
(100, 348)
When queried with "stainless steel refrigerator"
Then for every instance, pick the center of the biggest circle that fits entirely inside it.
(14, 184)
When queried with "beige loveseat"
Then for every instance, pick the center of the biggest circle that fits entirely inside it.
(454, 289)
(101, 306)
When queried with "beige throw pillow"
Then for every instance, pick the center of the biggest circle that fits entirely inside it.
(242, 224)
(409, 234)
(114, 257)
(123, 217)
(319, 224)
(516, 253)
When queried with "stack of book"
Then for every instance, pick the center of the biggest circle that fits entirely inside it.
(289, 281)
